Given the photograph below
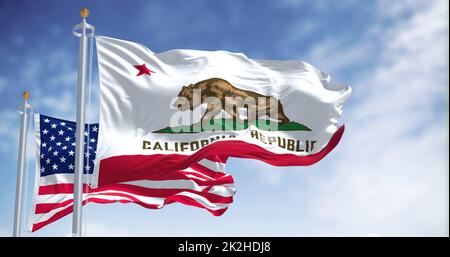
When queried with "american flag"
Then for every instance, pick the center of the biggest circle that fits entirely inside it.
(205, 184)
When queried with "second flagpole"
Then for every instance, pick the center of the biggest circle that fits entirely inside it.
(24, 112)
(83, 31)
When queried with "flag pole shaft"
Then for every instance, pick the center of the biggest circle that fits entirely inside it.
(80, 129)
(21, 166)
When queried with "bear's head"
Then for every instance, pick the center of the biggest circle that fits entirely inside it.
(186, 99)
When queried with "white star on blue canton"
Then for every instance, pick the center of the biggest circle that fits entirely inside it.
(60, 158)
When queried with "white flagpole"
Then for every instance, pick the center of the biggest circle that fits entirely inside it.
(83, 31)
(24, 112)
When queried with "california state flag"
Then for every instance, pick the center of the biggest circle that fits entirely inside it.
(168, 111)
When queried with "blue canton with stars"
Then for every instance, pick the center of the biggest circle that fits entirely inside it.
(57, 147)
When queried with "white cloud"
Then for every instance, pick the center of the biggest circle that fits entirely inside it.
(9, 132)
(329, 57)
(399, 189)
(395, 9)
(2, 83)
(271, 178)
(390, 174)
(48, 71)
(101, 230)
(318, 6)
(4, 232)
(64, 103)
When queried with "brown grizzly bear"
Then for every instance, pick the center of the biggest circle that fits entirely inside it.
(220, 95)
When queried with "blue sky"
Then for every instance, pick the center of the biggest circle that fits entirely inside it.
(389, 174)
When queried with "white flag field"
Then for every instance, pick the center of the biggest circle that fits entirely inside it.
(168, 111)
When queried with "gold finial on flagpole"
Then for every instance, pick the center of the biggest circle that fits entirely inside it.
(25, 95)
(84, 13)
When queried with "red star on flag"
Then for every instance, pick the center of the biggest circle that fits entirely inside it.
(143, 70)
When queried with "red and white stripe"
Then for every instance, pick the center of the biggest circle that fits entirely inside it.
(203, 185)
